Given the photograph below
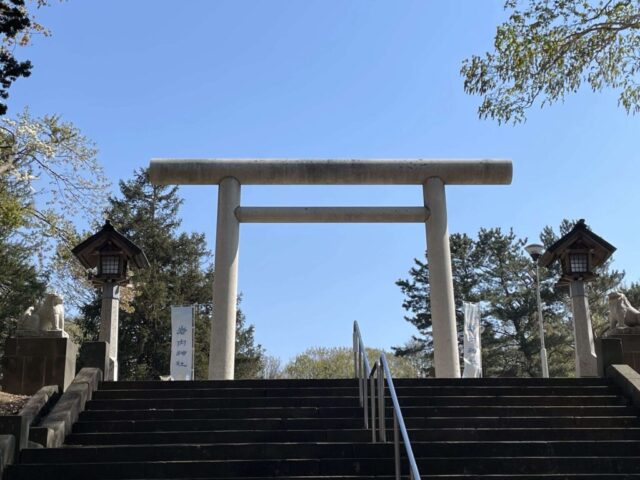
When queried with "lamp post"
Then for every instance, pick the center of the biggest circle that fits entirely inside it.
(108, 253)
(580, 252)
(535, 251)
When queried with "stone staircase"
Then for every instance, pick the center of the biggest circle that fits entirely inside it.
(497, 429)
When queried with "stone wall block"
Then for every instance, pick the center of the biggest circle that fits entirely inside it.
(31, 363)
(7, 451)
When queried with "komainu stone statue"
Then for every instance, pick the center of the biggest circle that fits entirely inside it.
(44, 319)
(623, 317)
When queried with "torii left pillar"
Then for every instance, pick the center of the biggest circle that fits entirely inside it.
(225, 282)
(443, 307)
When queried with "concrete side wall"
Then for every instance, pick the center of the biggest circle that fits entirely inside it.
(31, 363)
(57, 424)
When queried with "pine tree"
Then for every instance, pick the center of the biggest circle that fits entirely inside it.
(494, 269)
(180, 273)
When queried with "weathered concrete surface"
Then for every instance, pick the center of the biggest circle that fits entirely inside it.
(7, 451)
(109, 326)
(332, 214)
(609, 352)
(627, 379)
(443, 308)
(225, 283)
(17, 426)
(95, 355)
(168, 171)
(585, 351)
(57, 424)
(39, 404)
(627, 350)
(30, 363)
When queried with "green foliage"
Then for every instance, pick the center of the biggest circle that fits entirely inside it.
(632, 292)
(550, 48)
(16, 27)
(48, 174)
(13, 19)
(180, 273)
(494, 269)
(337, 362)
(20, 286)
(249, 355)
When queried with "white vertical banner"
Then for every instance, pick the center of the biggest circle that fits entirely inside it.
(182, 342)
(472, 348)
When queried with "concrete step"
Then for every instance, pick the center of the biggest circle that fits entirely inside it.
(330, 450)
(441, 435)
(564, 476)
(325, 466)
(350, 382)
(224, 436)
(105, 423)
(252, 384)
(585, 476)
(544, 476)
(260, 402)
(352, 391)
(247, 425)
(622, 476)
(463, 429)
(167, 412)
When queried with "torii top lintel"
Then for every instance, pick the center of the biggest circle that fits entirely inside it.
(171, 171)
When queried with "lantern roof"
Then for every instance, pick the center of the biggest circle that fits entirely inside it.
(87, 251)
(580, 237)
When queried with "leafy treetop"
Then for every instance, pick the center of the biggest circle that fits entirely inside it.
(17, 25)
(550, 48)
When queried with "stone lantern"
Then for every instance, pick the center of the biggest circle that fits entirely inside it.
(580, 252)
(108, 253)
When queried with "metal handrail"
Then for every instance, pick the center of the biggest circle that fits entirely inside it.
(362, 369)
(383, 373)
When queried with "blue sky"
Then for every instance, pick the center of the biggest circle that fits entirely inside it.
(327, 78)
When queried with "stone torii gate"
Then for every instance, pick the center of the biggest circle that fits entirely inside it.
(230, 174)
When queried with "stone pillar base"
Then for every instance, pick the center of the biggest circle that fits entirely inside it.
(95, 355)
(630, 347)
(30, 363)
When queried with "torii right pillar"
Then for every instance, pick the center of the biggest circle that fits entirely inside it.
(443, 307)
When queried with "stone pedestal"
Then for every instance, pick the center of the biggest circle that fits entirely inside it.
(630, 346)
(95, 355)
(30, 363)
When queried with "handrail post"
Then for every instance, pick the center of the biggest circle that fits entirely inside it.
(359, 362)
(396, 444)
(372, 380)
(381, 412)
(365, 403)
(356, 367)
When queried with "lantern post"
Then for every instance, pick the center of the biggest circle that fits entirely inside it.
(107, 255)
(580, 252)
